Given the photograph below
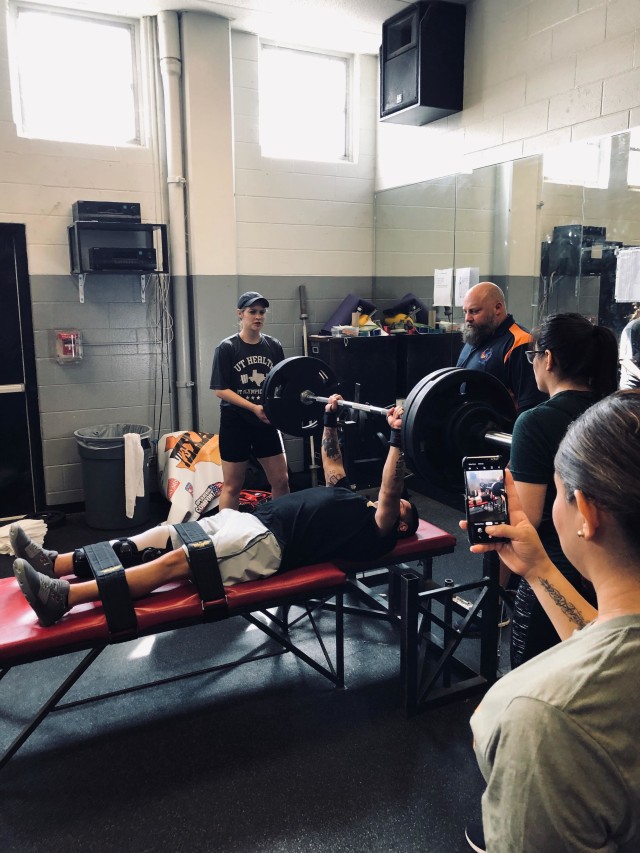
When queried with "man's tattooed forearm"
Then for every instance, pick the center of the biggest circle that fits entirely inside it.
(570, 610)
(330, 444)
(399, 472)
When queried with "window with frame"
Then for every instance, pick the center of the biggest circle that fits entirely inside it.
(74, 76)
(582, 164)
(305, 104)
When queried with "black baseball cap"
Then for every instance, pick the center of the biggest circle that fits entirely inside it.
(250, 298)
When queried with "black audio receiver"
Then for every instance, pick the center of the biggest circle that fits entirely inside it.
(107, 258)
(106, 211)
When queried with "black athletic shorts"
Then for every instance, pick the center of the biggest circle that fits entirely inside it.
(239, 438)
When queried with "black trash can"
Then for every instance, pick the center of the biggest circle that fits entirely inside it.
(101, 450)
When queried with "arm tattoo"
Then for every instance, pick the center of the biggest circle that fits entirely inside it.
(399, 472)
(570, 610)
(330, 445)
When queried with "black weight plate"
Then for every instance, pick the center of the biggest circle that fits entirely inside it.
(282, 390)
(415, 395)
(446, 417)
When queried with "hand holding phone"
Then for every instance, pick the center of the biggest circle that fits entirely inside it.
(485, 497)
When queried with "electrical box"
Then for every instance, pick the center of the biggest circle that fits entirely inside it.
(68, 346)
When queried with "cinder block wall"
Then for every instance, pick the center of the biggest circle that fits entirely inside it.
(40, 180)
(298, 223)
(538, 73)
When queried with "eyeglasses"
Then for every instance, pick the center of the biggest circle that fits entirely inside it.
(261, 311)
(532, 353)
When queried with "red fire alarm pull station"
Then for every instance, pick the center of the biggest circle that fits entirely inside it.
(68, 346)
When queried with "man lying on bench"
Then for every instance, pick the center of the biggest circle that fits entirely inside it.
(310, 526)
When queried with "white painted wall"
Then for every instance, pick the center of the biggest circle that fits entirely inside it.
(209, 143)
(39, 181)
(295, 217)
(538, 73)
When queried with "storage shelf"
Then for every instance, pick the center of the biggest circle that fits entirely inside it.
(85, 235)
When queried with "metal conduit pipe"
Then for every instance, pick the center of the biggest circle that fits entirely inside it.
(171, 73)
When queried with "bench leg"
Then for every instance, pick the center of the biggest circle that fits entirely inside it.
(333, 671)
(50, 704)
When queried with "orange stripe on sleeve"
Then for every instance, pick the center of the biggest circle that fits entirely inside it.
(520, 338)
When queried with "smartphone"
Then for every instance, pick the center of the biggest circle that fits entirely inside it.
(485, 497)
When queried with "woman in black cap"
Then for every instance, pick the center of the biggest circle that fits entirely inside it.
(240, 365)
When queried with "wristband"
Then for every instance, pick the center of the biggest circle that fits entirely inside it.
(395, 439)
(331, 420)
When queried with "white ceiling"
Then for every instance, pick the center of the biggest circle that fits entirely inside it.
(350, 26)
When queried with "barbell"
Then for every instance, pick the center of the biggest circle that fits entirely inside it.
(449, 414)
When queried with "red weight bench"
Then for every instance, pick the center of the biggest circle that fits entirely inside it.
(428, 542)
(23, 640)
(178, 605)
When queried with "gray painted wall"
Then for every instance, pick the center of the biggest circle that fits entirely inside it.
(118, 380)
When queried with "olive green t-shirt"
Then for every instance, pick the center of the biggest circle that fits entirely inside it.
(558, 743)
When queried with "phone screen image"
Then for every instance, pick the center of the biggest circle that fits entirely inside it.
(485, 497)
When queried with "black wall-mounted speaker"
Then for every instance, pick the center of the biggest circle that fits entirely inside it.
(422, 63)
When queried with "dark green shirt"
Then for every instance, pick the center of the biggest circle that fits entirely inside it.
(536, 437)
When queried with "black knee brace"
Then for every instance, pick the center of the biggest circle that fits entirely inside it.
(125, 550)
(149, 554)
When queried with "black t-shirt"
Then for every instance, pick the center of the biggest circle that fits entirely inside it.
(321, 523)
(242, 368)
(536, 437)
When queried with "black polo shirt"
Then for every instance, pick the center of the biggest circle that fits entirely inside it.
(503, 356)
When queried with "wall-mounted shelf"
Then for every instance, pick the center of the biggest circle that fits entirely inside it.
(117, 248)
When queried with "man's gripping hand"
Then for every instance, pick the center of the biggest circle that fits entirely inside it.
(394, 419)
(331, 411)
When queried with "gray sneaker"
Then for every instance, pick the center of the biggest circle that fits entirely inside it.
(27, 549)
(49, 597)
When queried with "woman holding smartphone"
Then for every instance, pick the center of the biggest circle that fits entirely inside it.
(557, 738)
(575, 363)
(240, 365)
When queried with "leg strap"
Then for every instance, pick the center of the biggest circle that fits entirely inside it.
(113, 589)
(202, 561)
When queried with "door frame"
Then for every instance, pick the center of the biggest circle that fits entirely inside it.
(18, 233)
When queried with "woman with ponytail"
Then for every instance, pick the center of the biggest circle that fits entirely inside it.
(576, 364)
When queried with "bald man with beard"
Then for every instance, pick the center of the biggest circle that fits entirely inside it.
(494, 343)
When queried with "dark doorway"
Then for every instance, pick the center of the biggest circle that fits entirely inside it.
(21, 469)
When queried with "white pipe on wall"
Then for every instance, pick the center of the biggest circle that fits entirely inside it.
(171, 72)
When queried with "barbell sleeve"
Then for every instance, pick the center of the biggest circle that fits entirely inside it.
(496, 437)
(310, 397)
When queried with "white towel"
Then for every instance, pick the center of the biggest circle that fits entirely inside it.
(133, 471)
(35, 528)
